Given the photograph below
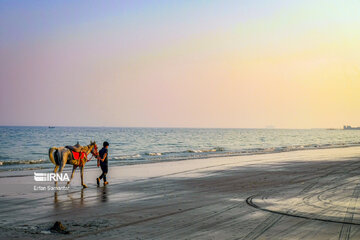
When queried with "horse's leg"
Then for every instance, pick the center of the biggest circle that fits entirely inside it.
(58, 157)
(63, 157)
(72, 175)
(63, 163)
(82, 177)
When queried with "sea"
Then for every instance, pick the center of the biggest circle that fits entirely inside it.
(24, 148)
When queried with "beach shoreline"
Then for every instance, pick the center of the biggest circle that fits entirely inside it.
(269, 196)
(131, 146)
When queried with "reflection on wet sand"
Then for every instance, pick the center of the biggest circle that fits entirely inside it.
(103, 195)
(71, 199)
(82, 197)
(64, 199)
(56, 200)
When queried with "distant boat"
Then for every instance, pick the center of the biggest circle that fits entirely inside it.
(51, 127)
(351, 128)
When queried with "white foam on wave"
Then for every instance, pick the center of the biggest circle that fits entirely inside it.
(154, 154)
(127, 157)
(217, 149)
(38, 161)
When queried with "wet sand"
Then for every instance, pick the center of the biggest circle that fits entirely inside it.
(309, 194)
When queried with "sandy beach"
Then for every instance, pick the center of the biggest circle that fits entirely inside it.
(308, 194)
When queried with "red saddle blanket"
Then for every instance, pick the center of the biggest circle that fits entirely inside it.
(77, 155)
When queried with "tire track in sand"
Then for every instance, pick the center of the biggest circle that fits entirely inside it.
(263, 227)
(345, 231)
(275, 218)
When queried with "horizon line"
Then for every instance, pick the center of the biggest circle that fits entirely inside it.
(269, 128)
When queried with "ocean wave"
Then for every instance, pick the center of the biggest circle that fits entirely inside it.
(188, 154)
(38, 161)
(299, 147)
(127, 157)
(154, 154)
(217, 149)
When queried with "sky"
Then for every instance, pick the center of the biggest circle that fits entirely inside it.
(221, 64)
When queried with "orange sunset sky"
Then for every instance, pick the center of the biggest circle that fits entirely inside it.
(240, 64)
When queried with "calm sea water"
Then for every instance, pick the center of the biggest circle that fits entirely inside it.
(27, 147)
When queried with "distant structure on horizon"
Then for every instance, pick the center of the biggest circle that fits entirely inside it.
(351, 128)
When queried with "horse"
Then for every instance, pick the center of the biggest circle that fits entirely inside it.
(62, 155)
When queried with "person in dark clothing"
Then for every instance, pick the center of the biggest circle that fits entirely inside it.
(103, 163)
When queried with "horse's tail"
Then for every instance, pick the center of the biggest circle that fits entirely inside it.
(51, 154)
